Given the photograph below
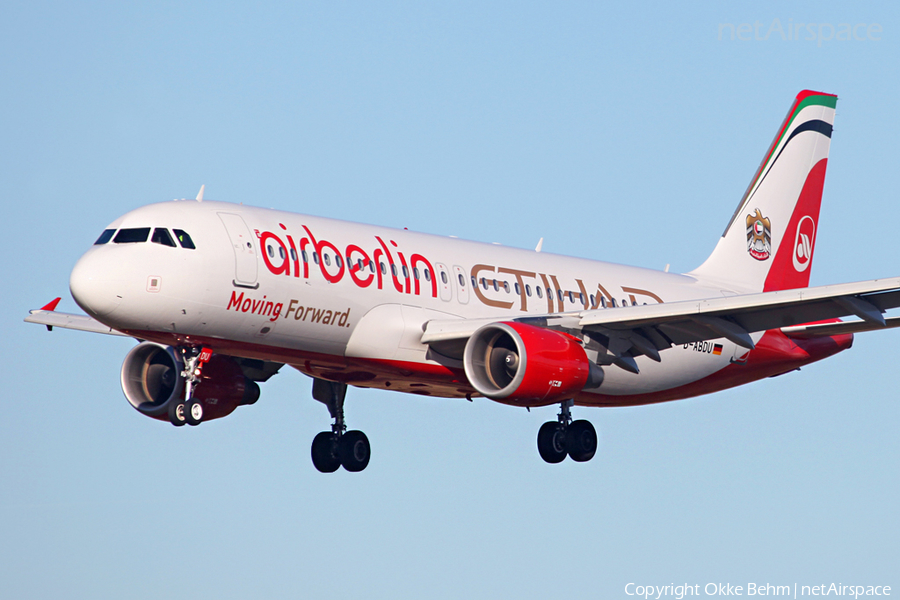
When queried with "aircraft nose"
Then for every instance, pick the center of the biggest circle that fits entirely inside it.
(92, 284)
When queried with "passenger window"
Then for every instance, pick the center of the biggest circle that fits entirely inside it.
(518, 291)
(304, 256)
(558, 294)
(474, 283)
(270, 250)
(132, 236)
(581, 297)
(416, 273)
(603, 301)
(327, 259)
(614, 305)
(591, 297)
(506, 286)
(496, 287)
(339, 261)
(484, 283)
(406, 273)
(105, 237)
(393, 269)
(383, 269)
(371, 267)
(624, 302)
(427, 275)
(462, 280)
(316, 257)
(184, 239)
(281, 252)
(444, 277)
(528, 290)
(162, 236)
(293, 255)
(539, 291)
(571, 297)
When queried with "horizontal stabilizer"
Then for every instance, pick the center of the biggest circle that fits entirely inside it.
(844, 327)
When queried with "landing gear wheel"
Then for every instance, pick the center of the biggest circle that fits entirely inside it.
(581, 441)
(354, 451)
(177, 414)
(193, 412)
(551, 442)
(324, 453)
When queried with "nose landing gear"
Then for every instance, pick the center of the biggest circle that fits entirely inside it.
(190, 411)
(564, 437)
(338, 447)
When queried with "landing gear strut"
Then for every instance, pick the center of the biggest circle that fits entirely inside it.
(189, 410)
(557, 439)
(338, 447)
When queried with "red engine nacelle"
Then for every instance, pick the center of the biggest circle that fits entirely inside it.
(527, 365)
(151, 380)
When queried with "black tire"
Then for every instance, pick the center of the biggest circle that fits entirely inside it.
(177, 414)
(354, 451)
(581, 441)
(551, 442)
(324, 453)
(193, 412)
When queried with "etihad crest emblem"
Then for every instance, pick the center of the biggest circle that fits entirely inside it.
(759, 236)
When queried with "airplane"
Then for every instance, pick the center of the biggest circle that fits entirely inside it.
(221, 296)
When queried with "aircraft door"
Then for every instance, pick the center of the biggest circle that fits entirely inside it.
(462, 289)
(443, 276)
(243, 244)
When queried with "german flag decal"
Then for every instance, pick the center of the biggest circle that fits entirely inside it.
(717, 349)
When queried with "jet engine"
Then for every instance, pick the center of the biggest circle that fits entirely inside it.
(151, 380)
(527, 365)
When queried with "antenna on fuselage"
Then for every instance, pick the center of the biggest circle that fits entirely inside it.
(200, 193)
(540, 243)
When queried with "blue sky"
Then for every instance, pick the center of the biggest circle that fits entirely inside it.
(621, 133)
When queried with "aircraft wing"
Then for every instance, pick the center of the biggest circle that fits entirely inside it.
(49, 317)
(627, 332)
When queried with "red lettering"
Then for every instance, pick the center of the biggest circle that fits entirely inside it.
(285, 266)
(354, 268)
(416, 259)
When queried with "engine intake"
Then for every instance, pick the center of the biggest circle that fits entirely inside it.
(526, 365)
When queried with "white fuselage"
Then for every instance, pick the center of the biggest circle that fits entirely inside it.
(348, 301)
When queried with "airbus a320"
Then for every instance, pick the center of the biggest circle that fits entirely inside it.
(221, 296)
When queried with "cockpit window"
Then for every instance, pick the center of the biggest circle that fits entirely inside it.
(105, 236)
(132, 236)
(184, 239)
(162, 236)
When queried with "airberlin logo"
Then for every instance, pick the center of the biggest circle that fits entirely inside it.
(283, 255)
(803, 243)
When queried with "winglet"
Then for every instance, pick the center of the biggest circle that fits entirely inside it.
(50, 306)
(539, 245)
(200, 193)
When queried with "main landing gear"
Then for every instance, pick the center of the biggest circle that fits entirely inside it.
(338, 447)
(557, 439)
(189, 410)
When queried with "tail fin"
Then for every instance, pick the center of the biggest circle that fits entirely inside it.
(769, 242)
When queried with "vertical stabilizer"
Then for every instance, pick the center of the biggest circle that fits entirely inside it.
(770, 240)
